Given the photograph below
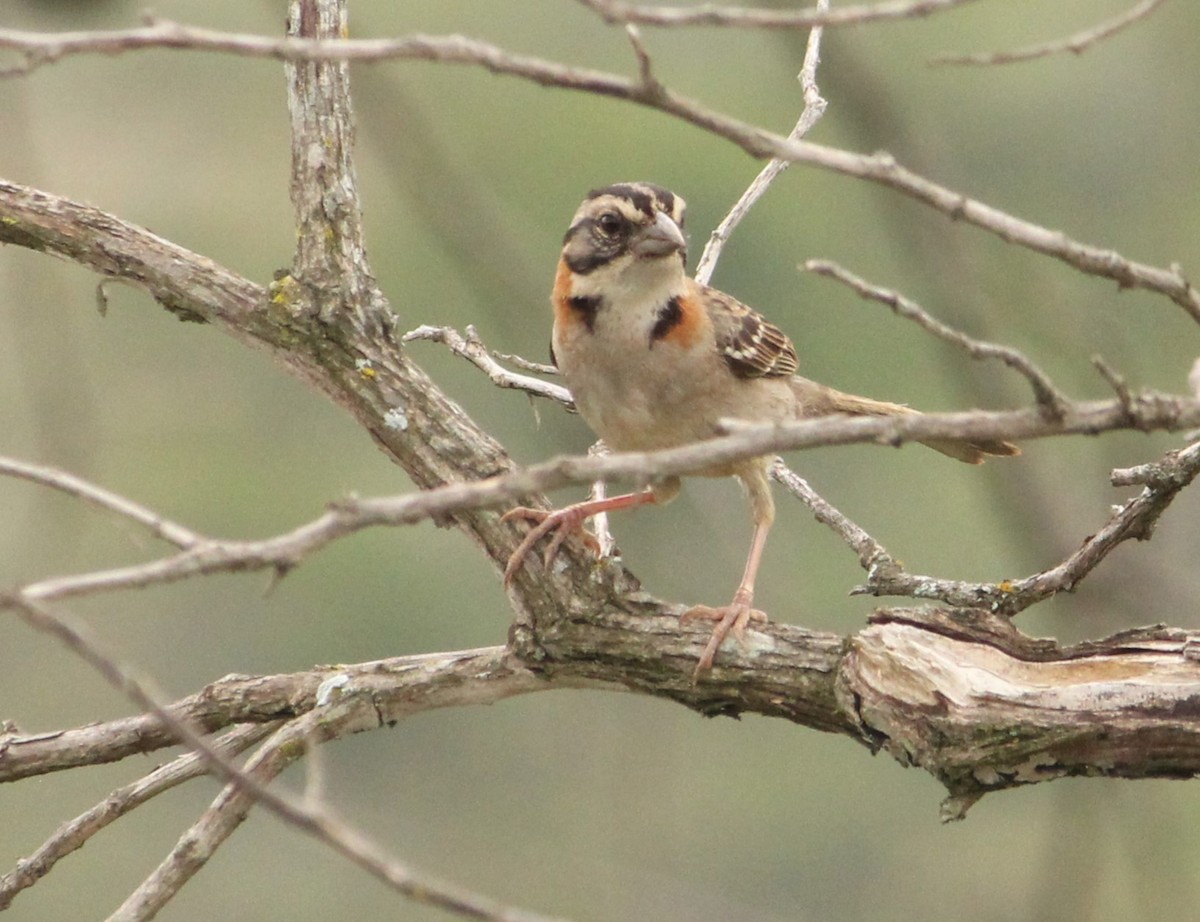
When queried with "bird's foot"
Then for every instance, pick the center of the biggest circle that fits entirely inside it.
(562, 522)
(730, 619)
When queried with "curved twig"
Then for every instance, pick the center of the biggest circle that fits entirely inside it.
(471, 348)
(156, 524)
(814, 108)
(1077, 43)
(1045, 393)
(1134, 519)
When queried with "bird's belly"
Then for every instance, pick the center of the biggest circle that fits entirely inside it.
(639, 399)
(631, 414)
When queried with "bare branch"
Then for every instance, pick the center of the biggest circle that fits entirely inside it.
(1075, 44)
(230, 808)
(871, 554)
(160, 527)
(330, 259)
(604, 537)
(37, 49)
(955, 666)
(814, 108)
(79, 641)
(1048, 397)
(539, 368)
(198, 843)
(1134, 519)
(353, 710)
(75, 833)
(961, 693)
(880, 168)
(1114, 380)
(471, 348)
(1146, 412)
(399, 686)
(711, 14)
(649, 83)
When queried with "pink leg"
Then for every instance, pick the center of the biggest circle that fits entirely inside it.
(563, 522)
(734, 617)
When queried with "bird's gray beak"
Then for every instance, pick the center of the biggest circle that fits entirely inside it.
(662, 238)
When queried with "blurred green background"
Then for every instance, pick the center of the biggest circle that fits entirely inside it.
(590, 805)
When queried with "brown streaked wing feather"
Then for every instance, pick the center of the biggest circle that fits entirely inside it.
(751, 345)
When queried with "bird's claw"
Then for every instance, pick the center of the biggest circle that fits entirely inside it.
(562, 522)
(730, 619)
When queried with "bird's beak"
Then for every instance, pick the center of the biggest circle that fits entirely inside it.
(662, 238)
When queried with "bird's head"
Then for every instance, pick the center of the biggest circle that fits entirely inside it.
(627, 236)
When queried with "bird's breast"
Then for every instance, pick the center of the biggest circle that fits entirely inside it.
(639, 393)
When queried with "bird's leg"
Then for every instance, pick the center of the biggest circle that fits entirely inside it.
(734, 617)
(562, 522)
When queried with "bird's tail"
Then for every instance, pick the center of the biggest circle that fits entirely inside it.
(815, 399)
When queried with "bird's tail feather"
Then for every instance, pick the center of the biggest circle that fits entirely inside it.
(818, 400)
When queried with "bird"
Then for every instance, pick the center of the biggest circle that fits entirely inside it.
(654, 359)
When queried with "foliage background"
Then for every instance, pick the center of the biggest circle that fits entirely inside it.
(591, 805)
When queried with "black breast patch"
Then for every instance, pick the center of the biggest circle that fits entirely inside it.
(670, 315)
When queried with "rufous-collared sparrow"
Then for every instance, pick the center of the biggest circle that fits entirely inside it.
(654, 359)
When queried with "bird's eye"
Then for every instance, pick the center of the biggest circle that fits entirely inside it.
(610, 223)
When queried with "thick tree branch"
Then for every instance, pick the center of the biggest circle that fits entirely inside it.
(330, 260)
(965, 696)
(960, 693)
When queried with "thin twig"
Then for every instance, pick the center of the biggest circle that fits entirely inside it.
(650, 84)
(474, 351)
(1048, 397)
(349, 712)
(1115, 380)
(538, 368)
(1134, 519)
(710, 14)
(1077, 43)
(76, 833)
(171, 532)
(599, 489)
(814, 108)
(871, 554)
